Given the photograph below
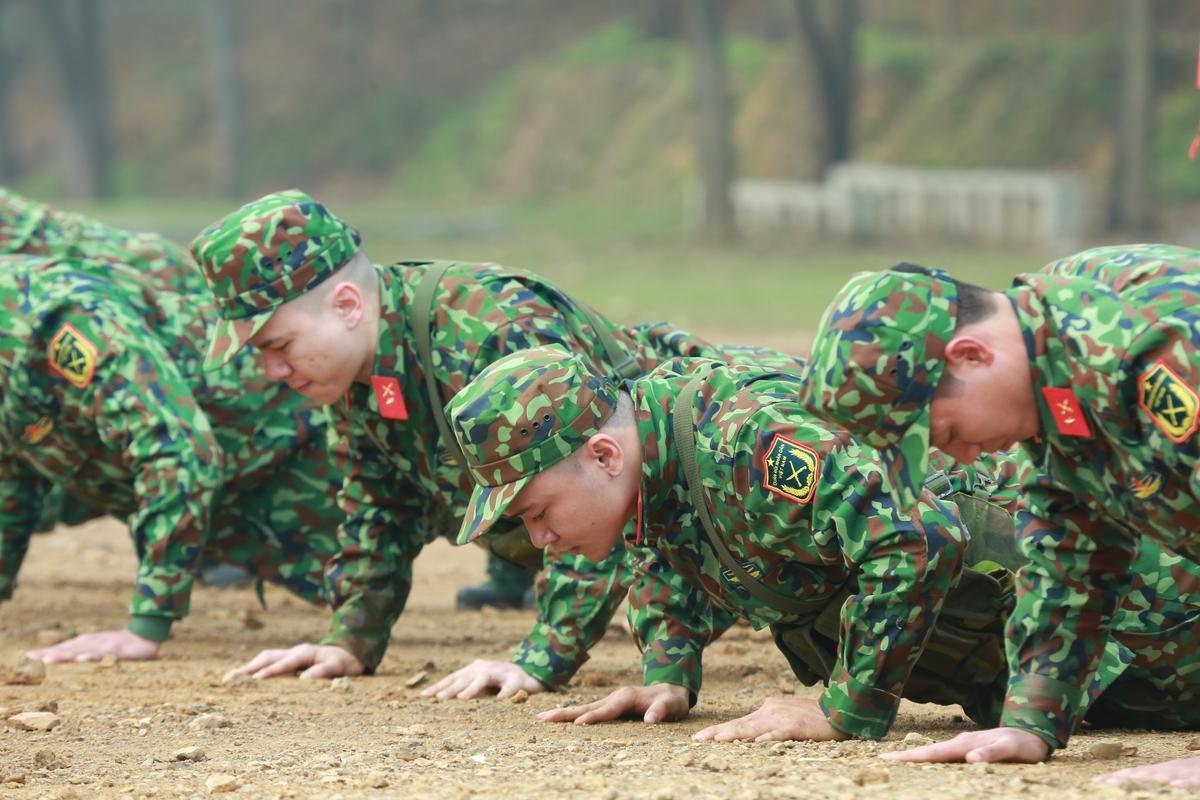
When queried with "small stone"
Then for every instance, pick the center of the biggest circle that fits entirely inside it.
(479, 758)
(714, 763)
(34, 721)
(663, 794)
(686, 759)
(376, 780)
(251, 622)
(915, 739)
(209, 722)
(188, 754)
(1194, 744)
(51, 636)
(108, 661)
(341, 684)
(521, 696)
(17, 778)
(216, 784)
(28, 672)
(416, 679)
(1106, 749)
(982, 766)
(787, 688)
(235, 678)
(779, 748)
(48, 759)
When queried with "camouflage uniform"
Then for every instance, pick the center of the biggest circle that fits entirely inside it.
(401, 482)
(786, 493)
(1111, 336)
(101, 389)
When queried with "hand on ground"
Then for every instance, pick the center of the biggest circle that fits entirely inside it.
(317, 661)
(126, 646)
(662, 702)
(1179, 772)
(994, 744)
(779, 719)
(482, 676)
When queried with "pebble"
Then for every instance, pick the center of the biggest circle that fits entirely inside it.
(521, 696)
(251, 622)
(779, 748)
(108, 661)
(221, 783)
(686, 759)
(915, 739)
(1106, 749)
(28, 672)
(235, 678)
(51, 636)
(48, 759)
(714, 763)
(17, 778)
(341, 684)
(416, 679)
(34, 721)
(188, 754)
(375, 780)
(663, 794)
(1194, 744)
(209, 722)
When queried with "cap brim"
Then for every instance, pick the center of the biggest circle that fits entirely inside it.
(906, 461)
(231, 335)
(488, 504)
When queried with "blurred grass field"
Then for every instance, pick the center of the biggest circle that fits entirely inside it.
(633, 269)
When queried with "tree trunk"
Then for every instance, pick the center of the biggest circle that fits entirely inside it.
(8, 68)
(74, 35)
(225, 88)
(705, 24)
(827, 47)
(1131, 210)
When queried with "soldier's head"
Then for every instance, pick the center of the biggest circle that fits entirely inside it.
(291, 279)
(550, 442)
(910, 358)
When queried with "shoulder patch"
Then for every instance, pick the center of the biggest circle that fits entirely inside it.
(791, 470)
(73, 356)
(1171, 403)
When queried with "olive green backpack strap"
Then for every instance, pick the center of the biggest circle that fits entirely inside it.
(624, 367)
(684, 431)
(422, 318)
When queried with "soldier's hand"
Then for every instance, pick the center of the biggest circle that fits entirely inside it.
(779, 719)
(994, 744)
(661, 702)
(123, 644)
(1178, 772)
(481, 676)
(317, 661)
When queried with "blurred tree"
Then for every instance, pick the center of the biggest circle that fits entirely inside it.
(1130, 208)
(661, 19)
(826, 29)
(706, 27)
(225, 88)
(73, 34)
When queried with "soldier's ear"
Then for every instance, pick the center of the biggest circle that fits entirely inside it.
(347, 301)
(604, 452)
(969, 351)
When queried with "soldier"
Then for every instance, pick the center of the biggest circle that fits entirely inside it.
(1092, 367)
(385, 347)
(101, 389)
(740, 495)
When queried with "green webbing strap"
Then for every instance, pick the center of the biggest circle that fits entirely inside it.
(422, 317)
(684, 430)
(623, 367)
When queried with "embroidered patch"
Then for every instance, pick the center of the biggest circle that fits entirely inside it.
(35, 432)
(1146, 486)
(73, 356)
(1171, 403)
(791, 470)
(1064, 407)
(751, 569)
(389, 398)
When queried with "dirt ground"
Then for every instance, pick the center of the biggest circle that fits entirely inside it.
(122, 725)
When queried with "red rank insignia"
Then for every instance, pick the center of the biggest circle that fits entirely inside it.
(1064, 407)
(387, 395)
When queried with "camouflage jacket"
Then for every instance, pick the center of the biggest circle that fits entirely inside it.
(788, 494)
(32, 228)
(101, 390)
(398, 479)
(1112, 337)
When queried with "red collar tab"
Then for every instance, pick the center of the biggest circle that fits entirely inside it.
(637, 536)
(389, 398)
(1068, 416)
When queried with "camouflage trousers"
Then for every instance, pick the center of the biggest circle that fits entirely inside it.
(283, 528)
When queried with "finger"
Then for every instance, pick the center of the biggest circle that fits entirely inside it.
(991, 753)
(657, 712)
(705, 734)
(259, 661)
(566, 713)
(325, 669)
(476, 687)
(508, 687)
(940, 752)
(430, 691)
(461, 682)
(284, 664)
(604, 710)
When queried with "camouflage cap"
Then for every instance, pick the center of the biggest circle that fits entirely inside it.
(876, 361)
(521, 415)
(262, 255)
